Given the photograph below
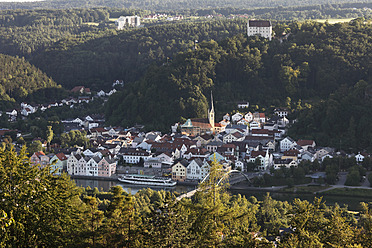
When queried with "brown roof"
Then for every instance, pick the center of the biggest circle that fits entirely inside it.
(258, 23)
(257, 153)
(292, 153)
(77, 88)
(305, 142)
(61, 156)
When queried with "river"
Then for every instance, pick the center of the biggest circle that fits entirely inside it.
(352, 202)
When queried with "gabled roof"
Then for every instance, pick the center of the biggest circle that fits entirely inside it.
(39, 154)
(61, 156)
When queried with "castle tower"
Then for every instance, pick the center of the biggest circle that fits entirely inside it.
(211, 113)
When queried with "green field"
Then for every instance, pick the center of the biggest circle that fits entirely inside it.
(366, 193)
(333, 21)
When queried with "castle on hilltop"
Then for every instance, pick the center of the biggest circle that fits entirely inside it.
(261, 28)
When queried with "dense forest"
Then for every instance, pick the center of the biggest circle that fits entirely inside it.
(127, 54)
(19, 79)
(342, 121)
(161, 5)
(23, 32)
(39, 209)
(314, 62)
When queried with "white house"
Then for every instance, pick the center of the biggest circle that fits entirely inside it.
(194, 169)
(239, 165)
(134, 156)
(231, 137)
(359, 157)
(287, 163)
(101, 93)
(165, 158)
(243, 104)
(205, 169)
(281, 112)
(254, 125)
(248, 116)
(236, 117)
(92, 166)
(152, 163)
(286, 144)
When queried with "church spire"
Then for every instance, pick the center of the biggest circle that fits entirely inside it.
(211, 113)
(212, 107)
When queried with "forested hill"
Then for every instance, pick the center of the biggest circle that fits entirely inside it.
(161, 5)
(127, 54)
(314, 62)
(19, 79)
(343, 121)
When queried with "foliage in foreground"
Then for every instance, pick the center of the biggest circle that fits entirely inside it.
(39, 209)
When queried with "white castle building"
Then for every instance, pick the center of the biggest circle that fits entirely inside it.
(128, 21)
(262, 28)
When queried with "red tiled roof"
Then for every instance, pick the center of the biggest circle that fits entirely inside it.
(61, 156)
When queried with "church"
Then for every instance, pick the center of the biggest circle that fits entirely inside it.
(202, 126)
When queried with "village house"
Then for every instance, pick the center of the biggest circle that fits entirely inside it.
(194, 169)
(236, 117)
(287, 163)
(58, 163)
(106, 167)
(243, 104)
(233, 137)
(179, 171)
(286, 144)
(281, 112)
(240, 165)
(305, 144)
(134, 155)
(36, 158)
(153, 163)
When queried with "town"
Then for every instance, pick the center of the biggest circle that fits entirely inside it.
(242, 141)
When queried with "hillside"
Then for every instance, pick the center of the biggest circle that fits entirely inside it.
(315, 61)
(19, 80)
(126, 54)
(161, 5)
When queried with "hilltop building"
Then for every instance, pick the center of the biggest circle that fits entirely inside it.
(128, 21)
(261, 28)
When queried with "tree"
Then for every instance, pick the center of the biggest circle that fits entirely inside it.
(49, 135)
(35, 146)
(353, 178)
(119, 227)
(44, 209)
(93, 218)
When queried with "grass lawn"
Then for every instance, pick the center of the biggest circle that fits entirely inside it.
(304, 189)
(366, 193)
(333, 21)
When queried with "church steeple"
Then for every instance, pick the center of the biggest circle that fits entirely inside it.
(211, 113)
